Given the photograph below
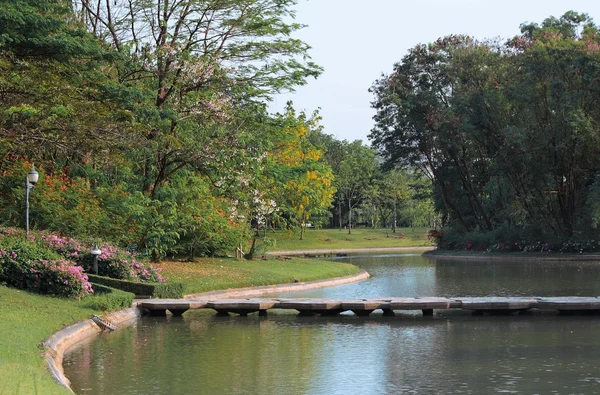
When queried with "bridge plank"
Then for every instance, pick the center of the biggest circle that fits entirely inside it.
(309, 304)
(425, 303)
(364, 304)
(498, 303)
(241, 304)
(569, 303)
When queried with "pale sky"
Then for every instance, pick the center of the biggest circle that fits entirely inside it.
(357, 40)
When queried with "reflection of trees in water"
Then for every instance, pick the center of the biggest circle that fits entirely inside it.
(517, 278)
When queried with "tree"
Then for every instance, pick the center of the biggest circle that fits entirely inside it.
(302, 182)
(201, 58)
(354, 175)
(506, 131)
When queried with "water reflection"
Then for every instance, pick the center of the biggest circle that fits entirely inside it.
(411, 275)
(286, 354)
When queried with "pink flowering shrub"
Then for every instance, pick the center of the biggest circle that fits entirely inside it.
(64, 278)
(112, 262)
(116, 263)
(26, 265)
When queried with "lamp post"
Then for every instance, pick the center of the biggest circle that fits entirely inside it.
(239, 251)
(30, 181)
(95, 252)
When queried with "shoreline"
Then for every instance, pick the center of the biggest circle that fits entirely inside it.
(60, 342)
(515, 256)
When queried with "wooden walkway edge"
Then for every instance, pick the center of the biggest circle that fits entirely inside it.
(364, 307)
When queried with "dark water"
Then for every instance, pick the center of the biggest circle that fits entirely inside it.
(285, 354)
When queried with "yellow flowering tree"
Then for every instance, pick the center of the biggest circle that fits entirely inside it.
(301, 181)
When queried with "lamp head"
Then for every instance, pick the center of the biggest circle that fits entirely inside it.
(96, 251)
(33, 176)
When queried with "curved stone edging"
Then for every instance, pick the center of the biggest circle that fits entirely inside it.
(513, 257)
(61, 341)
(57, 344)
(271, 289)
(349, 250)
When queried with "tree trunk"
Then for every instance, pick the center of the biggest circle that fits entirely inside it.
(349, 216)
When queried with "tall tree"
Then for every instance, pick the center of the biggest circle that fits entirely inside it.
(200, 58)
(354, 175)
(507, 131)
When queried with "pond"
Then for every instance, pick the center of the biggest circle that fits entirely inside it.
(287, 354)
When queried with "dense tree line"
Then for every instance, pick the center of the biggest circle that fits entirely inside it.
(507, 132)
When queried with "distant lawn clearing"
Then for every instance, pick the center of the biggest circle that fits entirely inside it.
(210, 274)
(360, 238)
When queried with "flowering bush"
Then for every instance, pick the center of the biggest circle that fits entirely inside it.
(112, 262)
(116, 263)
(65, 246)
(25, 265)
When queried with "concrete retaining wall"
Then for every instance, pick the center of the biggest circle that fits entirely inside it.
(57, 344)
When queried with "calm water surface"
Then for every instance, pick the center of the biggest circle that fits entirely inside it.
(286, 354)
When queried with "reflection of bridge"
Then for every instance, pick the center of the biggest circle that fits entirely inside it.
(364, 307)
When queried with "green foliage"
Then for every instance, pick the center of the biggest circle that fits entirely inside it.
(173, 290)
(186, 218)
(507, 131)
(108, 299)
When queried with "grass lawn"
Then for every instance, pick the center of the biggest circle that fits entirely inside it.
(360, 238)
(208, 274)
(25, 321)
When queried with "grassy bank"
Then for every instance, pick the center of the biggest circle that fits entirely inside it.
(27, 319)
(215, 274)
(340, 239)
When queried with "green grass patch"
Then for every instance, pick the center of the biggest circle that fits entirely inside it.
(167, 290)
(108, 299)
(340, 239)
(210, 274)
(25, 321)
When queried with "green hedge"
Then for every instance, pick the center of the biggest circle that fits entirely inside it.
(168, 290)
(108, 298)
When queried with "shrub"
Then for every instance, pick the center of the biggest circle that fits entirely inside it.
(119, 264)
(108, 299)
(25, 265)
(112, 262)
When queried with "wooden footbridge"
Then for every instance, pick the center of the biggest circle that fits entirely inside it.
(364, 307)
